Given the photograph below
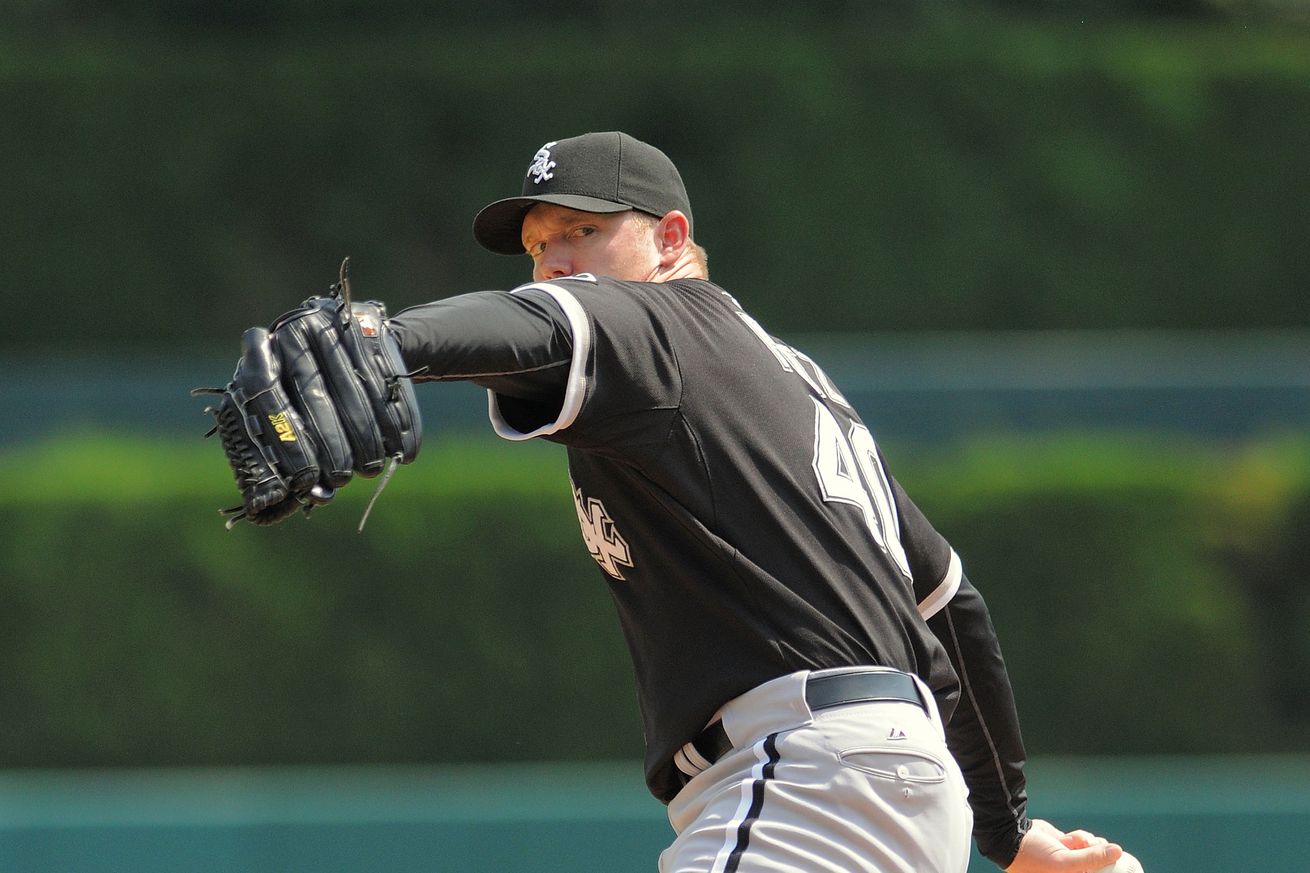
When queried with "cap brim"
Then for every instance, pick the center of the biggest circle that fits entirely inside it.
(499, 226)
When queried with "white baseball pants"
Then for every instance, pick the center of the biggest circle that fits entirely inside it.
(857, 788)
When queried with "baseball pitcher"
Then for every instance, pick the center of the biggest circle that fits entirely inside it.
(820, 684)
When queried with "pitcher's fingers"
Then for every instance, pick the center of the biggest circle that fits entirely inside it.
(1080, 839)
(1093, 857)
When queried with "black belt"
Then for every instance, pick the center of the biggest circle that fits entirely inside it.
(821, 692)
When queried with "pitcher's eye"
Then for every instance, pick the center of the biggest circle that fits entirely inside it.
(537, 249)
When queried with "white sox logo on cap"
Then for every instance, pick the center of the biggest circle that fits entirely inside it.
(603, 172)
(542, 164)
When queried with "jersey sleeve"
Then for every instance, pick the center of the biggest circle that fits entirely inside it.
(983, 730)
(514, 420)
(623, 381)
(581, 360)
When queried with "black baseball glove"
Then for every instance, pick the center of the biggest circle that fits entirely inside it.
(316, 398)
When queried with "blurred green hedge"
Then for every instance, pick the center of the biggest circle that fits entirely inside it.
(859, 167)
(1149, 598)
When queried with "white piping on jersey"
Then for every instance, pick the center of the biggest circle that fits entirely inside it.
(577, 384)
(945, 590)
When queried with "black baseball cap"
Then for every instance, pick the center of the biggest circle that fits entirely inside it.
(595, 172)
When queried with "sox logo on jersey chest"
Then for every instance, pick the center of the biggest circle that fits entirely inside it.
(603, 539)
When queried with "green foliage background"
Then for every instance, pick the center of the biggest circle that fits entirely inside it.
(852, 166)
(468, 623)
(178, 171)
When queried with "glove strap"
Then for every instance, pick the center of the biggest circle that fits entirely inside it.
(343, 292)
(386, 477)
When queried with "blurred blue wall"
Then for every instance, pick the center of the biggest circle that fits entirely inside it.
(1178, 815)
(907, 386)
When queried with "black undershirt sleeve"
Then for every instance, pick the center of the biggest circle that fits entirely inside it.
(516, 344)
(983, 733)
(982, 728)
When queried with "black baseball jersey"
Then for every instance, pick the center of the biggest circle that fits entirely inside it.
(739, 509)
